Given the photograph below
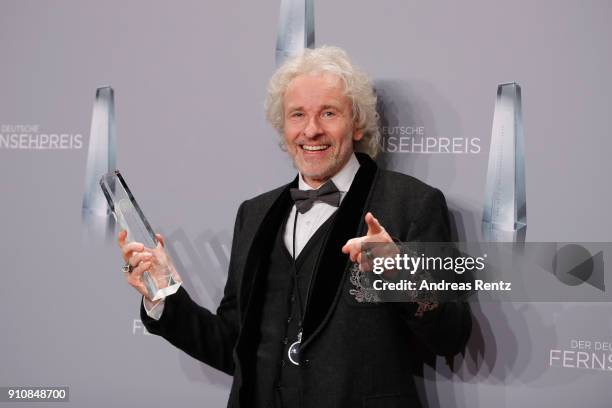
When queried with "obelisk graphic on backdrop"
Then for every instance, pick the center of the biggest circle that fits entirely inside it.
(295, 28)
(505, 207)
(101, 158)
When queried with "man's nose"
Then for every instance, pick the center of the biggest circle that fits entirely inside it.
(313, 127)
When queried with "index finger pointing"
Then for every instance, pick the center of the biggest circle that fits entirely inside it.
(374, 226)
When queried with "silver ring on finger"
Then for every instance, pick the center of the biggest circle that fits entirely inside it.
(127, 268)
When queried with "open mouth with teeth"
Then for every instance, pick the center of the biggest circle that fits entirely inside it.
(314, 148)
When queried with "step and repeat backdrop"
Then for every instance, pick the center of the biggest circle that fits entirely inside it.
(171, 93)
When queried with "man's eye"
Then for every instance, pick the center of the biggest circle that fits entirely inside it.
(328, 114)
(297, 114)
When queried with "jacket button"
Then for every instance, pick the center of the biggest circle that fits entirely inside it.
(289, 319)
(285, 340)
(305, 363)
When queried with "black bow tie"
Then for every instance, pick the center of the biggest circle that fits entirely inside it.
(304, 199)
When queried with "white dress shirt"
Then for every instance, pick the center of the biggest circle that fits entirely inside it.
(307, 223)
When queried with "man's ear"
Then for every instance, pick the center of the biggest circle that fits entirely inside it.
(357, 134)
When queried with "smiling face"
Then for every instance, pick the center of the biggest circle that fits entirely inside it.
(318, 126)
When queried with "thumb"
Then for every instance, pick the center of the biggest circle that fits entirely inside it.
(160, 239)
(374, 226)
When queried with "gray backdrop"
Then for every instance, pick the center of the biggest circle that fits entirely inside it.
(189, 80)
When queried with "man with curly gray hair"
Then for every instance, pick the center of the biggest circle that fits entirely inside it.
(293, 328)
(356, 86)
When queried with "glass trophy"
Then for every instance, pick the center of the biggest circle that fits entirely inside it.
(505, 206)
(296, 29)
(161, 279)
(101, 158)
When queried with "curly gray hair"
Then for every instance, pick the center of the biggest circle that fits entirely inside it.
(357, 87)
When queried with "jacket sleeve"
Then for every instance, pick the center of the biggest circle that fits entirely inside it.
(203, 335)
(446, 327)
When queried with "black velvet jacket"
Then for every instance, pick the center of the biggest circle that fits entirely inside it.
(353, 354)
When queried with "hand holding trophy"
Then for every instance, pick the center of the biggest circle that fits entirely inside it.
(149, 267)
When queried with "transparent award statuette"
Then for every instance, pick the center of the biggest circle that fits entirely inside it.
(161, 279)
(505, 206)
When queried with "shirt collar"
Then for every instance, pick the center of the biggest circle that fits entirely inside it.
(343, 179)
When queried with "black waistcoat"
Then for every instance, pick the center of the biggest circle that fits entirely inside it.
(276, 378)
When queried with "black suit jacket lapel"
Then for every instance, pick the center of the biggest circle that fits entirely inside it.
(332, 263)
(325, 283)
(260, 248)
(250, 290)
